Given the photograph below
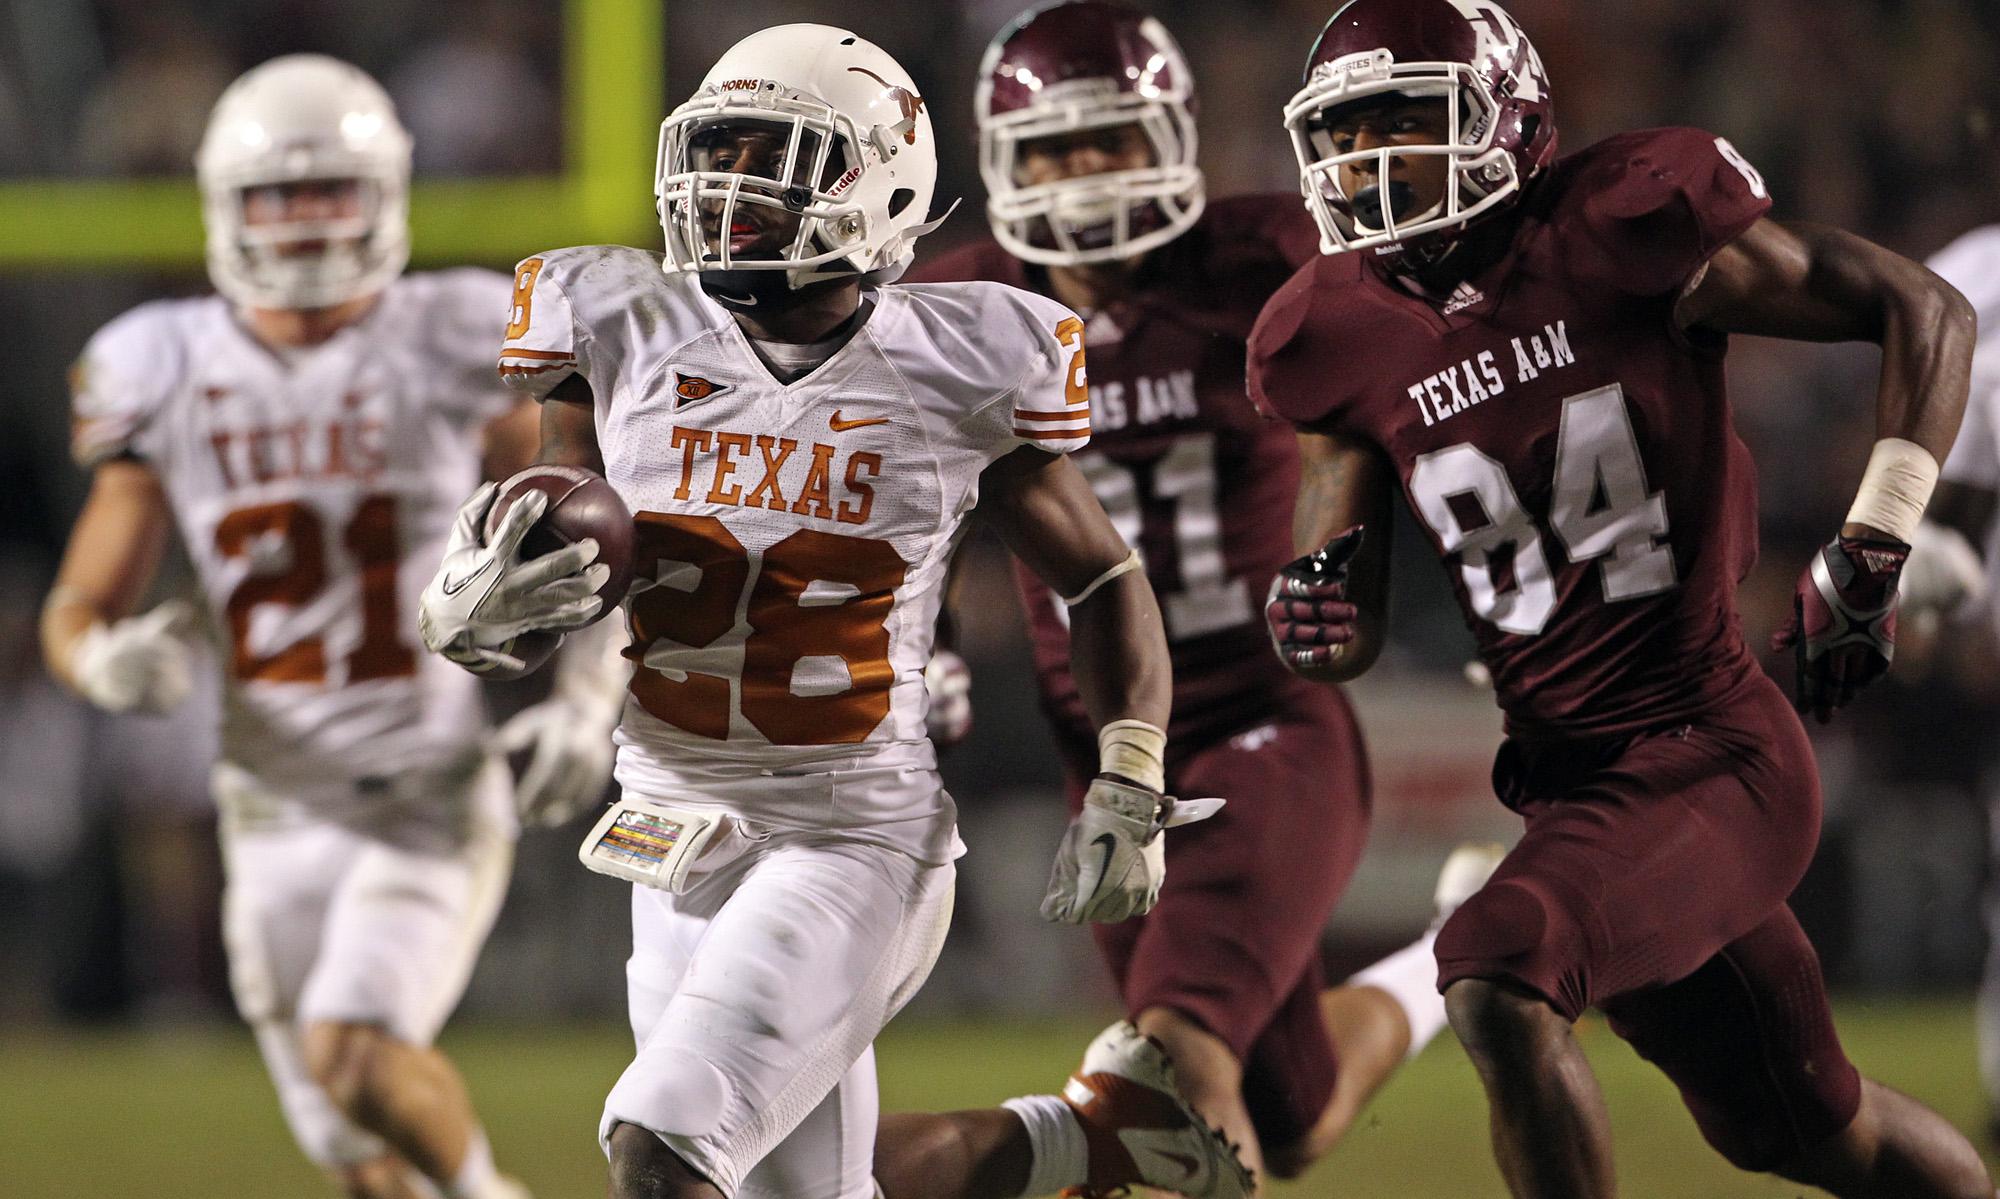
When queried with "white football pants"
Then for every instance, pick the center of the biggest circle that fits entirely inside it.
(334, 922)
(756, 996)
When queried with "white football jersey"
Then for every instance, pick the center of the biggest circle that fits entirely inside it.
(1972, 265)
(314, 489)
(793, 539)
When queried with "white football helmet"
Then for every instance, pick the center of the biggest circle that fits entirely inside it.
(858, 164)
(304, 117)
(1076, 66)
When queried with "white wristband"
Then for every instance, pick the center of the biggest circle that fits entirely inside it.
(1895, 488)
(1129, 564)
(1135, 750)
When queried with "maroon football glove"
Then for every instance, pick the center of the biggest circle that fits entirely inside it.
(1307, 613)
(1843, 626)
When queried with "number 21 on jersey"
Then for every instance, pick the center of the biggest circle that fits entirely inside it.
(1599, 509)
(292, 565)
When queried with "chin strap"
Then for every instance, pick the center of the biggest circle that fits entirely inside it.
(777, 291)
(916, 231)
(765, 291)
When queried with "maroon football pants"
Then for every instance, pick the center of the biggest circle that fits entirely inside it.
(1234, 942)
(1651, 882)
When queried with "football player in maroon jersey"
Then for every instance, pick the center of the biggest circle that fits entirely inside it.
(1532, 349)
(1087, 147)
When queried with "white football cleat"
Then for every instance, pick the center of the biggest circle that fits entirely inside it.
(1139, 1129)
(1464, 872)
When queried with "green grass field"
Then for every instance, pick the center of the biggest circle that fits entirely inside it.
(189, 1116)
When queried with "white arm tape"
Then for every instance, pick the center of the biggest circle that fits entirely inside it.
(1134, 749)
(1130, 563)
(1895, 488)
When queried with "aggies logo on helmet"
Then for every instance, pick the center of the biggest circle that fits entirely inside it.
(693, 389)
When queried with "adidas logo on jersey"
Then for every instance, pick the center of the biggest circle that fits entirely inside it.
(1464, 297)
(693, 389)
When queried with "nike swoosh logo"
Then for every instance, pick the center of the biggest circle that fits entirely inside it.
(454, 586)
(1189, 1166)
(841, 426)
(1109, 844)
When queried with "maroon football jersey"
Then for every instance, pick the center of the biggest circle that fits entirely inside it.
(1188, 470)
(1568, 449)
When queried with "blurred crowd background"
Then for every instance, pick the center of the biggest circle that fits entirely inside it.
(1876, 115)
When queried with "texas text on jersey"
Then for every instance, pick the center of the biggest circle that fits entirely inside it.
(1569, 451)
(793, 537)
(1186, 468)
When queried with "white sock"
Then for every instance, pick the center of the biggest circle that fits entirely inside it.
(477, 1173)
(1409, 976)
(1062, 1156)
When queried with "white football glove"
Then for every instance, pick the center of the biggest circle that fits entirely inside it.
(139, 664)
(570, 765)
(570, 732)
(484, 595)
(949, 682)
(1113, 858)
(1943, 572)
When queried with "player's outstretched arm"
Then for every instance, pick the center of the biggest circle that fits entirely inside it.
(1112, 860)
(91, 641)
(1811, 282)
(1333, 631)
(1814, 283)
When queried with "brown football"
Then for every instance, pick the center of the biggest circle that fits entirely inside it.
(581, 504)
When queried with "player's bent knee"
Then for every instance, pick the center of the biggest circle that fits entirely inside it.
(1893, 1145)
(348, 1062)
(1500, 1023)
(643, 1167)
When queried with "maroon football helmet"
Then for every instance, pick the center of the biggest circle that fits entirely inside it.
(1469, 53)
(1081, 65)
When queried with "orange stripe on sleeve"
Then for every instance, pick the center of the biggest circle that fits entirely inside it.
(1074, 414)
(541, 355)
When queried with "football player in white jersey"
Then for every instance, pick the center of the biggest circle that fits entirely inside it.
(1954, 566)
(799, 441)
(310, 431)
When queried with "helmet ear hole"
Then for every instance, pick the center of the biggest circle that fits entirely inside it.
(899, 200)
(1530, 126)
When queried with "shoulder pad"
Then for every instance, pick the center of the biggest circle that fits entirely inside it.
(1654, 205)
(1288, 363)
(987, 342)
(123, 379)
(575, 310)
